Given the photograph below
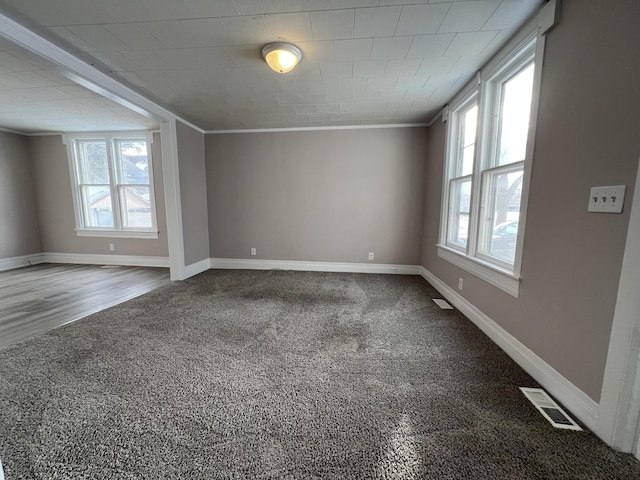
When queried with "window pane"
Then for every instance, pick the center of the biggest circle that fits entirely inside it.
(467, 159)
(93, 157)
(501, 213)
(469, 127)
(133, 161)
(136, 208)
(459, 202)
(514, 116)
(97, 204)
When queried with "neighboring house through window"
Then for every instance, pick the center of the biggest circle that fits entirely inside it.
(112, 175)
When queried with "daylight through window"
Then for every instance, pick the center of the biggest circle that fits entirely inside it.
(489, 129)
(113, 183)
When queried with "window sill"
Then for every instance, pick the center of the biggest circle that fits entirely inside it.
(116, 234)
(496, 276)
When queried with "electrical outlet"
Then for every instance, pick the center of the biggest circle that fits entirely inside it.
(253, 252)
(370, 255)
(112, 247)
(460, 283)
(607, 199)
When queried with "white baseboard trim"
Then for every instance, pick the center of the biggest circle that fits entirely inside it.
(196, 268)
(248, 264)
(574, 399)
(22, 261)
(100, 259)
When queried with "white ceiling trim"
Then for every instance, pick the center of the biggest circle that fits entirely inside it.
(437, 116)
(41, 134)
(48, 134)
(310, 129)
(84, 74)
(8, 130)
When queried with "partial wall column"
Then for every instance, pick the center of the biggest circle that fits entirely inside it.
(186, 199)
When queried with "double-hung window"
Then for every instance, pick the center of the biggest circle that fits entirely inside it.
(112, 178)
(507, 98)
(489, 149)
(463, 148)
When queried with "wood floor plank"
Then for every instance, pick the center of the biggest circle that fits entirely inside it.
(36, 299)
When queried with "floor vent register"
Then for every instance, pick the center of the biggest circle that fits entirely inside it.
(550, 409)
(443, 304)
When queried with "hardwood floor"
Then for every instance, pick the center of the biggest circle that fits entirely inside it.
(36, 299)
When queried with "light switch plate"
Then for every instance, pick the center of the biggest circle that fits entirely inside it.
(607, 199)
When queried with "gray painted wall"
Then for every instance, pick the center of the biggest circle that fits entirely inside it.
(587, 135)
(19, 230)
(55, 205)
(193, 193)
(327, 196)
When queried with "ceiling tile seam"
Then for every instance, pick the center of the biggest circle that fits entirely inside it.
(443, 18)
(133, 22)
(454, 64)
(491, 16)
(206, 17)
(178, 19)
(273, 37)
(142, 24)
(353, 11)
(370, 52)
(353, 31)
(395, 30)
(285, 12)
(234, 4)
(72, 34)
(496, 32)
(395, 34)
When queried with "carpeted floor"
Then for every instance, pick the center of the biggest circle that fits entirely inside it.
(278, 374)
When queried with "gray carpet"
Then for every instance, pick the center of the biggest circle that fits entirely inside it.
(244, 374)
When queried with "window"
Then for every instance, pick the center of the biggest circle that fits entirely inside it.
(488, 156)
(464, 126)
(113, 184)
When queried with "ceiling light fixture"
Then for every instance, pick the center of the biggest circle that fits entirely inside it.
(281, 57)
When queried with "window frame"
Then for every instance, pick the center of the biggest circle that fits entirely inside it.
(487, 89)
(455, 155)
(116, 185)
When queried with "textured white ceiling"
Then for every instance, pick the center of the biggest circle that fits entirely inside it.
(364, 61)
(36, 97)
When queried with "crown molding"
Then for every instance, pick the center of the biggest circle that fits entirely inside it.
(313, 129)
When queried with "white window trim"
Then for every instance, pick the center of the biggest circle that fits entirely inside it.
(506, 279)
(489, 272)
(470, 97)
(478, 228)
(81, 230)
(117, 233)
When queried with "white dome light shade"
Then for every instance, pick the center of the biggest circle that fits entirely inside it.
(281, 57)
